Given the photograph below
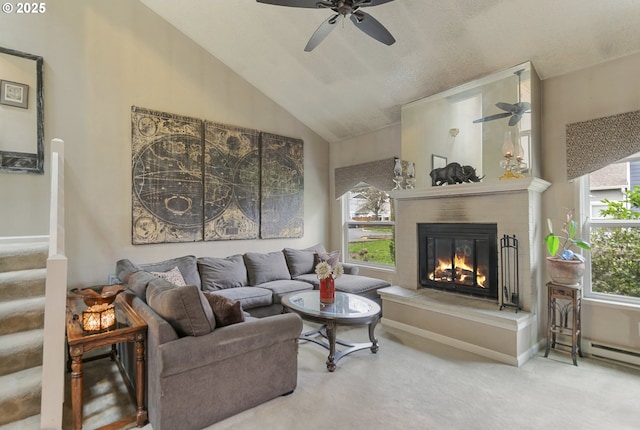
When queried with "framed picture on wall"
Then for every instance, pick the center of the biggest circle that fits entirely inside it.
(438, 161)
(14, 94)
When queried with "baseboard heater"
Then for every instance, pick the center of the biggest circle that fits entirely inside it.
(610, 352)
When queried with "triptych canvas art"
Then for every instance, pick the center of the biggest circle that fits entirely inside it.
(197, 180)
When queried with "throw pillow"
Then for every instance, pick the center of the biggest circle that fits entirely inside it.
(225, 311)
(302, 261)
(266, 267)
(330, 257)
(174, 276)
(138, 282)
(221, 273)
(185, 308)
(187, 265)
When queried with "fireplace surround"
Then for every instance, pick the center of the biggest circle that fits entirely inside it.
(463, 321)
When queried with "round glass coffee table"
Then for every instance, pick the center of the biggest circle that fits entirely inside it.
(348, 309)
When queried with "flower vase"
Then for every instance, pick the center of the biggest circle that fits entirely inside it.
(327, 290)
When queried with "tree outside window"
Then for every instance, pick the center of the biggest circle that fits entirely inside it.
(370, 227)
(615, 230)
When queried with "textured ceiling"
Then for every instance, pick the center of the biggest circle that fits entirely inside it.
(351, 84)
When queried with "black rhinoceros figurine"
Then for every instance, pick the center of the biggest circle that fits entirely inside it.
(453, 173)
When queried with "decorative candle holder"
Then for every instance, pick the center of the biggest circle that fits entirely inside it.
(411, 176)
(398, 179)
(513, 161)
(98, 318)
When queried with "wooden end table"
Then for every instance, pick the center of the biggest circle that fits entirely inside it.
(348, 309)
(130, 327)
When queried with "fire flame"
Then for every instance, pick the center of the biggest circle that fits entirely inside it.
(463, 275)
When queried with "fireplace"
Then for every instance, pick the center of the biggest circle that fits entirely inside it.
(461, 258)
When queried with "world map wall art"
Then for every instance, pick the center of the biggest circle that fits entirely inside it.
(195, 180)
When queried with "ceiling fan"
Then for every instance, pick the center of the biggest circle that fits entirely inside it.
(342, 8)
(513, 110)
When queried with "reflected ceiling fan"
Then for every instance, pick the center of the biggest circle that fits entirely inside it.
(342, 8)
(514, 111)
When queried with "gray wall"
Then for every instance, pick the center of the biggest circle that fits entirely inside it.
(102, 57)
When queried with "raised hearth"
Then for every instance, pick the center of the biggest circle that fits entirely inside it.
(514, 206)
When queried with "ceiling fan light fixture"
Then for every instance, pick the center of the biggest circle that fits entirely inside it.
(365, 22)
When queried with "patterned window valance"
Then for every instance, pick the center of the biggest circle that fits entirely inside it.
(599, 142)
(378, 174)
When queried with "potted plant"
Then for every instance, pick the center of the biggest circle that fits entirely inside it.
(565, 266)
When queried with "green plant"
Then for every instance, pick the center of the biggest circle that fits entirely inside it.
(568, 239)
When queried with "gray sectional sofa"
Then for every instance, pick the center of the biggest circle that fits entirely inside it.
(199, 372)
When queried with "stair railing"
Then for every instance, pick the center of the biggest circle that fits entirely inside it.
(53, 354)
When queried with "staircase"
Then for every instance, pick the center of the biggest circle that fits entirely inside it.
(22, 301)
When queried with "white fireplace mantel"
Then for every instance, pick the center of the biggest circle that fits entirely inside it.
(515, 207)
(475, 188)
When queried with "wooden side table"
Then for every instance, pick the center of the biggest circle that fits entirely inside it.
(563, 317)
(130, 328)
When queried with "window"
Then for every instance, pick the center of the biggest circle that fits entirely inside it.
(369, 228)
(614, 231)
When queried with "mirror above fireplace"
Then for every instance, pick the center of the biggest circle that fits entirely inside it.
(442, 126)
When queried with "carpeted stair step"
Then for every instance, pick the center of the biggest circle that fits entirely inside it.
(20, 351)
(20, 395)
(21, 314)
(31, 423)
(23, 256)
(22, 283)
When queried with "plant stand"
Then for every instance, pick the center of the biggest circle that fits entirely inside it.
(564, 301)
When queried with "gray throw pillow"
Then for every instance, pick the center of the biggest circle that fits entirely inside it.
(221, 273)
(187, 265)
(302, 261)
(138, 282)
(185, 308)
(266, 267)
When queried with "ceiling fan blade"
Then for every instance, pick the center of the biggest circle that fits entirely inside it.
(492, 117)
(368, 3)
(509, 107)
(323, 31)
(515, 119)
(292, 3)
(372, 27)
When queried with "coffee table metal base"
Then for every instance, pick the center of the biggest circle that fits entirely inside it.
(325, 336)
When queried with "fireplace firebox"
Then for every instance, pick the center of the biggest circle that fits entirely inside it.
(462, 258)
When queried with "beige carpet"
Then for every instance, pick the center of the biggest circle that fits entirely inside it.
(413, 383)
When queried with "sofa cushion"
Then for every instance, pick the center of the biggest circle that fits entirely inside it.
(283, 287)
(221, 273)
(266, 267)
(185, 308)
(187, 266)
(301, 261)
(249, 297)
(349, 283)
(225, 311)
(138, 282)
(174, 276)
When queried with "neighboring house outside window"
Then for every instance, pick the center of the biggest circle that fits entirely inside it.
(369, 227)
(614, 232)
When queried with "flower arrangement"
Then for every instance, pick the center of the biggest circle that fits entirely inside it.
(329, 266)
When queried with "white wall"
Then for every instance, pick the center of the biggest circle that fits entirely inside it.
(606, 89)
(102, 57)
(598, 91)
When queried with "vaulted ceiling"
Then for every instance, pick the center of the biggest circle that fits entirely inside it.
(351, 84)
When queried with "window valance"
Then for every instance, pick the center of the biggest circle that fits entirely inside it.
(599, 142)
(378, 174)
